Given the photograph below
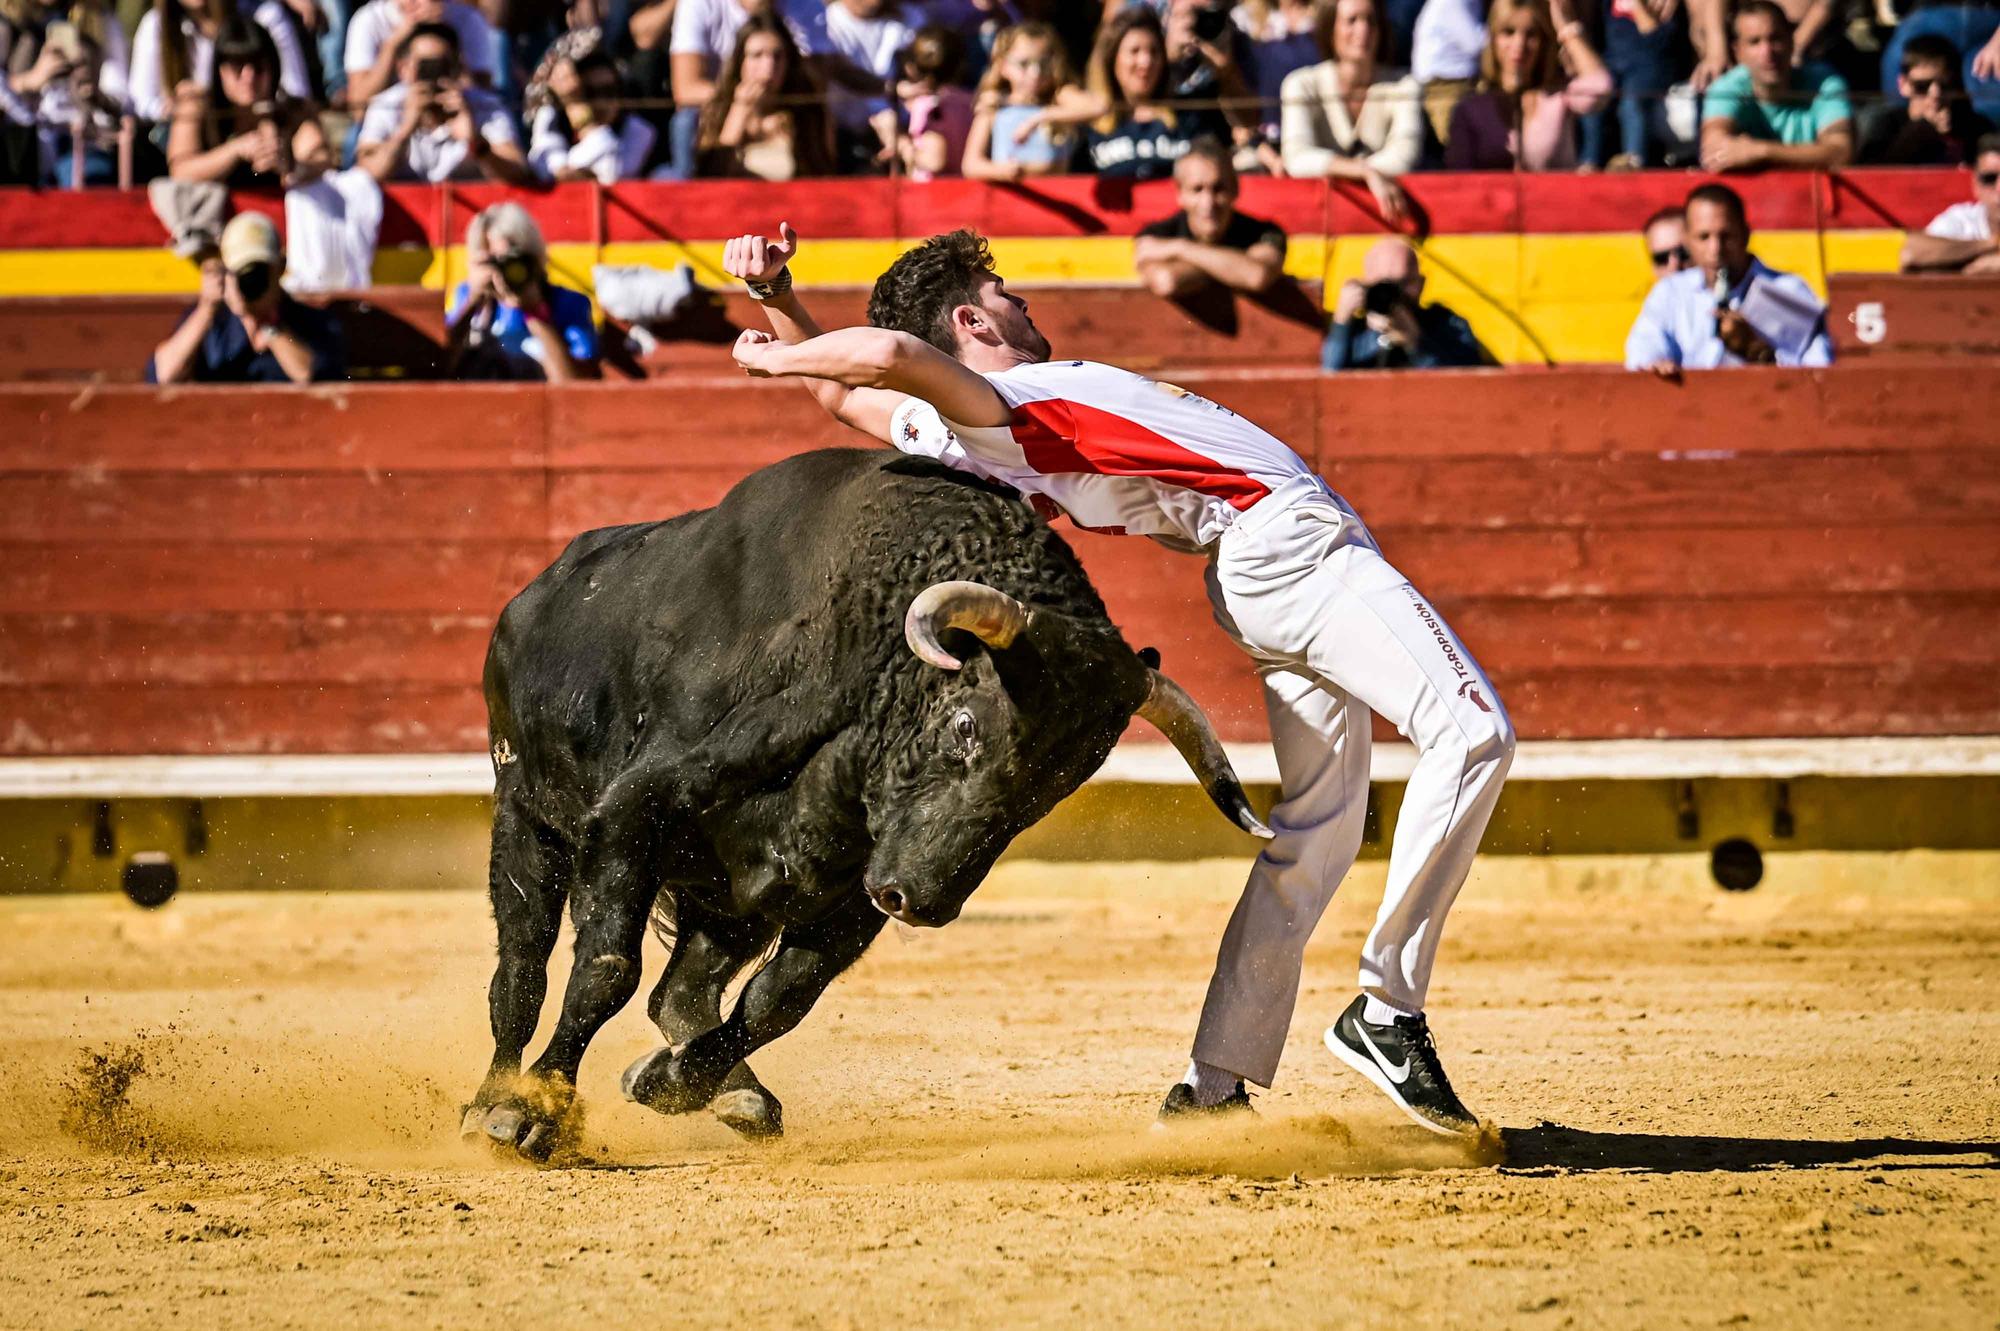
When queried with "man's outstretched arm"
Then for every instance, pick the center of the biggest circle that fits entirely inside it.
(878, 359)
(759, 260)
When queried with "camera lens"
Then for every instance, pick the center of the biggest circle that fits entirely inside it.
(253, 280)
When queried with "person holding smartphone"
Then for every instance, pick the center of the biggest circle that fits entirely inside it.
(435, 125)
(243, 328)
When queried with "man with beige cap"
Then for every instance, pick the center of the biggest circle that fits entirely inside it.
(243, 328)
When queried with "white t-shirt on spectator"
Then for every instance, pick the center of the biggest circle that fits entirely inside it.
(709, 27)
(871, 43)
(151, 100)
(609, 154)
(436, 154)
(1961, 221)
(1447, 41)
(377, 21)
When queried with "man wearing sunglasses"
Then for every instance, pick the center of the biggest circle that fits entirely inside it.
(1936, 125)
(243, 328)
(1665, 234)
(1961, 238)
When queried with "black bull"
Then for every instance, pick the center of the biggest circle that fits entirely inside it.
(830, 700)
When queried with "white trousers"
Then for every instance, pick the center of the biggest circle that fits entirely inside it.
(1338, 633)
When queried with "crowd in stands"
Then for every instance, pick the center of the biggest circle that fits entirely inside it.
(254, 92)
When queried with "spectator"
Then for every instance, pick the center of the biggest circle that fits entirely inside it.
(1282, 39)
(1524, 113)
(1010, 136)
(766, 119)
(239, 128)
(175, 42)
(1135, 135)
(508, 319)
(1347, 119)
(1765, 112)
(381, 29)
(1972, 28)
(1379, 323)
(41, 45)
(866, 36)
(433, 125)
(1644, 41)
(80, 128)
(1935, 125)
(1961, 238)
(1205, 57)
(1665, 235)
(704, 35)
(1729, 309)
(580, 127)
(938, 108)
(1208, 243)
(243, 328)
(1445, 52)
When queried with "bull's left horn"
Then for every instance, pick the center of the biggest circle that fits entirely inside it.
(993, 617)
(1177, 717)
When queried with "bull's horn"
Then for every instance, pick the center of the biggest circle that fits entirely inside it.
(1170, 709)
(993, 617)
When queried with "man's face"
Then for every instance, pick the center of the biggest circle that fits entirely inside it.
(1207, 195)
(1666, 246)
(1764, 47)
(1986, 188)
(1007, 314)
(1716, 239)
(1925, 85)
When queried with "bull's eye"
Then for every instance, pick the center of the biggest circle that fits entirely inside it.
(966, 729)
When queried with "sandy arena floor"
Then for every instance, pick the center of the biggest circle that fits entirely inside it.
(1776, 1109)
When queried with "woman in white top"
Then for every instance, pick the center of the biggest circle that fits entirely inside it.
(579, 127)
(1346, 118)
(163, 57)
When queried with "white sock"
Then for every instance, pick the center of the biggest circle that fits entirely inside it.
(1212, 1085)
(1376, 1012)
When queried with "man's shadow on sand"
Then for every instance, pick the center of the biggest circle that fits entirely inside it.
(1551, 1147)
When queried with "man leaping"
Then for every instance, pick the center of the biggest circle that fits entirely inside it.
(953, 368)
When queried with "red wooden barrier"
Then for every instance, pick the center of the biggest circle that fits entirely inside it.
(1750, 553)
(1912, 317)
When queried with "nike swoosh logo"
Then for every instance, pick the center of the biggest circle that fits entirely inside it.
(1398, 1073)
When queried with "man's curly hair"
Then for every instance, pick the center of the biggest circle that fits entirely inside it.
(923, 287)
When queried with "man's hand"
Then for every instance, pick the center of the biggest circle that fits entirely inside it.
(1736, 152)
(1352, 294)
(1397, 328)
(758, 258)
(1155, 249)
(1743, 341)
(451, 100)
(1986, 65)
(1668, 370)
(752, 350)
(212, 294)
(1985, 265)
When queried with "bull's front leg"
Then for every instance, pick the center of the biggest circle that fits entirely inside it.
(775, 1000)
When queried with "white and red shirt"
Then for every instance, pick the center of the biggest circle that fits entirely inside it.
(1116, 451)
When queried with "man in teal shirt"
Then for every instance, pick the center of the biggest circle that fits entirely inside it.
(1765, 113)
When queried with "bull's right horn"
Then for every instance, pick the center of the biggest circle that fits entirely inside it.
(992, 616)
(1177, 716)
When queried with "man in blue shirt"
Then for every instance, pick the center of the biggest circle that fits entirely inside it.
(508, 320)
(1379, 323)
(243, 328)
(1728, 308)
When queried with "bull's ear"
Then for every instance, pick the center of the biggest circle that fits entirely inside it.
(1150, 657)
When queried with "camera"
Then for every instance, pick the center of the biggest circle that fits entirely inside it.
(1384, 297)
(433, 69)
(516, 269)
(253, 281)
(1211, 23)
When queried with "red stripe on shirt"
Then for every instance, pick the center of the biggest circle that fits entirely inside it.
(1057, 435)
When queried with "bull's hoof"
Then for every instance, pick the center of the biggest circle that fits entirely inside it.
(750, 1113)
(662, 1082)
(534, 1123)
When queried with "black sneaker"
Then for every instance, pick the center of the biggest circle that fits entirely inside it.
(1400, 1059)
(1180, 1104)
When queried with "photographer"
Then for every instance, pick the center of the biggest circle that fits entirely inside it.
(1379, 323)
(436, 126)
(240, 128)
(243, 328)
(508, 320)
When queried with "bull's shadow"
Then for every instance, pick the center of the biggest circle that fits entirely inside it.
(1551, 1146)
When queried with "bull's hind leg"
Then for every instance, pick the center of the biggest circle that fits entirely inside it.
(775, 1000)
(709, 951)
(528, 880)
(608, 909)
